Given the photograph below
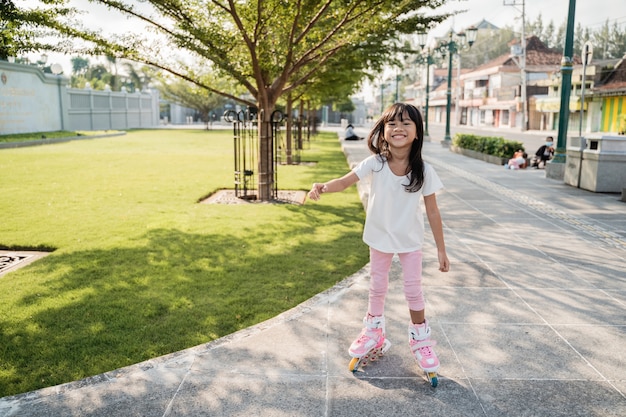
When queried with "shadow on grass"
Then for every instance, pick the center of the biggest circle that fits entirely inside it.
(99, 310)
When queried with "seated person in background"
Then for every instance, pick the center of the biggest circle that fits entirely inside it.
(518, 161)
(350, 135)
(543, 154)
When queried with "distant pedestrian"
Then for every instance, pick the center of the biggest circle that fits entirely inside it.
(395, 225)
(518, 161)
(543, 154)
(350, 135)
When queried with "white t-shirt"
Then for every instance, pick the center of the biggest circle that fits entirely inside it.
(394, 222)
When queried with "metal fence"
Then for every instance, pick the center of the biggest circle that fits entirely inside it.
(246, 147)
(109, 110)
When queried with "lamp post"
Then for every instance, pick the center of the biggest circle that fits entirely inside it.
(422, 39)
(398, 77)
(57, 70)
(567, 66)
(453, 46)
(382, 90)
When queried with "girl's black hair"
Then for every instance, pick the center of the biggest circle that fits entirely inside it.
(378, 145)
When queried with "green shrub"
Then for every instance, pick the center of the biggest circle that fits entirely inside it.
(490, 145)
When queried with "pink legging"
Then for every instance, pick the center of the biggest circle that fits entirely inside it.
(380, 263)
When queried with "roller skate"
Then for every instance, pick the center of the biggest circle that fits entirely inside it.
(421, 345)
(371, 343)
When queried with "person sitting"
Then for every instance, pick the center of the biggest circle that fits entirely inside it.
(518, 161)
(543, 154)
(350, 135)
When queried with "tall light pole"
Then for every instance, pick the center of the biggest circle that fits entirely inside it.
(522, 62)
(422, 38)
(382, 103)
(454, 44)
(567, 66)
(398, 77)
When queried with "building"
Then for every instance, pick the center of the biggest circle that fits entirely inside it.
(492, 93)
(610, 94)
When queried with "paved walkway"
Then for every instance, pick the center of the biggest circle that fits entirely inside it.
(530, 321)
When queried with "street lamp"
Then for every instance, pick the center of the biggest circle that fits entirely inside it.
(567, 66)
(422, 38)
(57, 70)
(454, 44)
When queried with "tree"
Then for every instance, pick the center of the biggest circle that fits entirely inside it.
(192, 96)
(139, 78)
(489, 45)
(24, 30)
(271, 47)
(79, 65)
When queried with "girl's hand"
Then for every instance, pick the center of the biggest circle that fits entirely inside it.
(317, 191)
(444, 262)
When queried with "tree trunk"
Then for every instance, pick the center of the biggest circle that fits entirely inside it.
(266, 156)
(288, 138)
(301, 124)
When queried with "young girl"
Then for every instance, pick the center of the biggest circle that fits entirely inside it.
(395, 225)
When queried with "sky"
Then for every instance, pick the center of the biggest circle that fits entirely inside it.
(589, 13)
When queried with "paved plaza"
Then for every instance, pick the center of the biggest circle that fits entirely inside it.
(530, 321)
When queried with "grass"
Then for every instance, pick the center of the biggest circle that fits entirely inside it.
(26, 137)
(139, 269)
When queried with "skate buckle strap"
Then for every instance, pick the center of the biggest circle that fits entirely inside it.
(422, 344)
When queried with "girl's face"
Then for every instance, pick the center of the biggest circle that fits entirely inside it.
(400, 132)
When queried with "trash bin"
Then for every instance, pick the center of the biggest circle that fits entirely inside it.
(573, 160)
(603, 164)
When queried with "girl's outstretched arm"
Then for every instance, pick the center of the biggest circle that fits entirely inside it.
(434, 219)
(333, 186)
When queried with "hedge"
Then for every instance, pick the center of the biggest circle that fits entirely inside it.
(490, 145)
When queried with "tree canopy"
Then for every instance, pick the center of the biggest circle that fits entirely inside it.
(271, 47)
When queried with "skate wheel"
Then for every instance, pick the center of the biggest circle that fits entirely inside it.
(432, 377)
(354, 365)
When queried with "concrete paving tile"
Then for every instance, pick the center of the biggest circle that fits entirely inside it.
(454, 209)
(509, 351)
(474, 224)
(588, 253)
(601, 346)
(465, 191)
(538, 275)
(139, 393)
(619, 296)
(507, 251)
(229, 394)
(555, 238)
(620, 386)
(461, 274)
(575, 306)
(459, 252)
(549, 398)
(479, 305)
(367, 396)
(284, 348)
(606, 276)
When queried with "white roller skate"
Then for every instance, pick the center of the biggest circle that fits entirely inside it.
(371, 343)
(422, 348)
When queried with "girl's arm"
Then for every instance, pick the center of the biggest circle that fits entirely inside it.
(434, 219)
(333, 186)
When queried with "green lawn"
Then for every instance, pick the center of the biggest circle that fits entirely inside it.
(138, 268)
